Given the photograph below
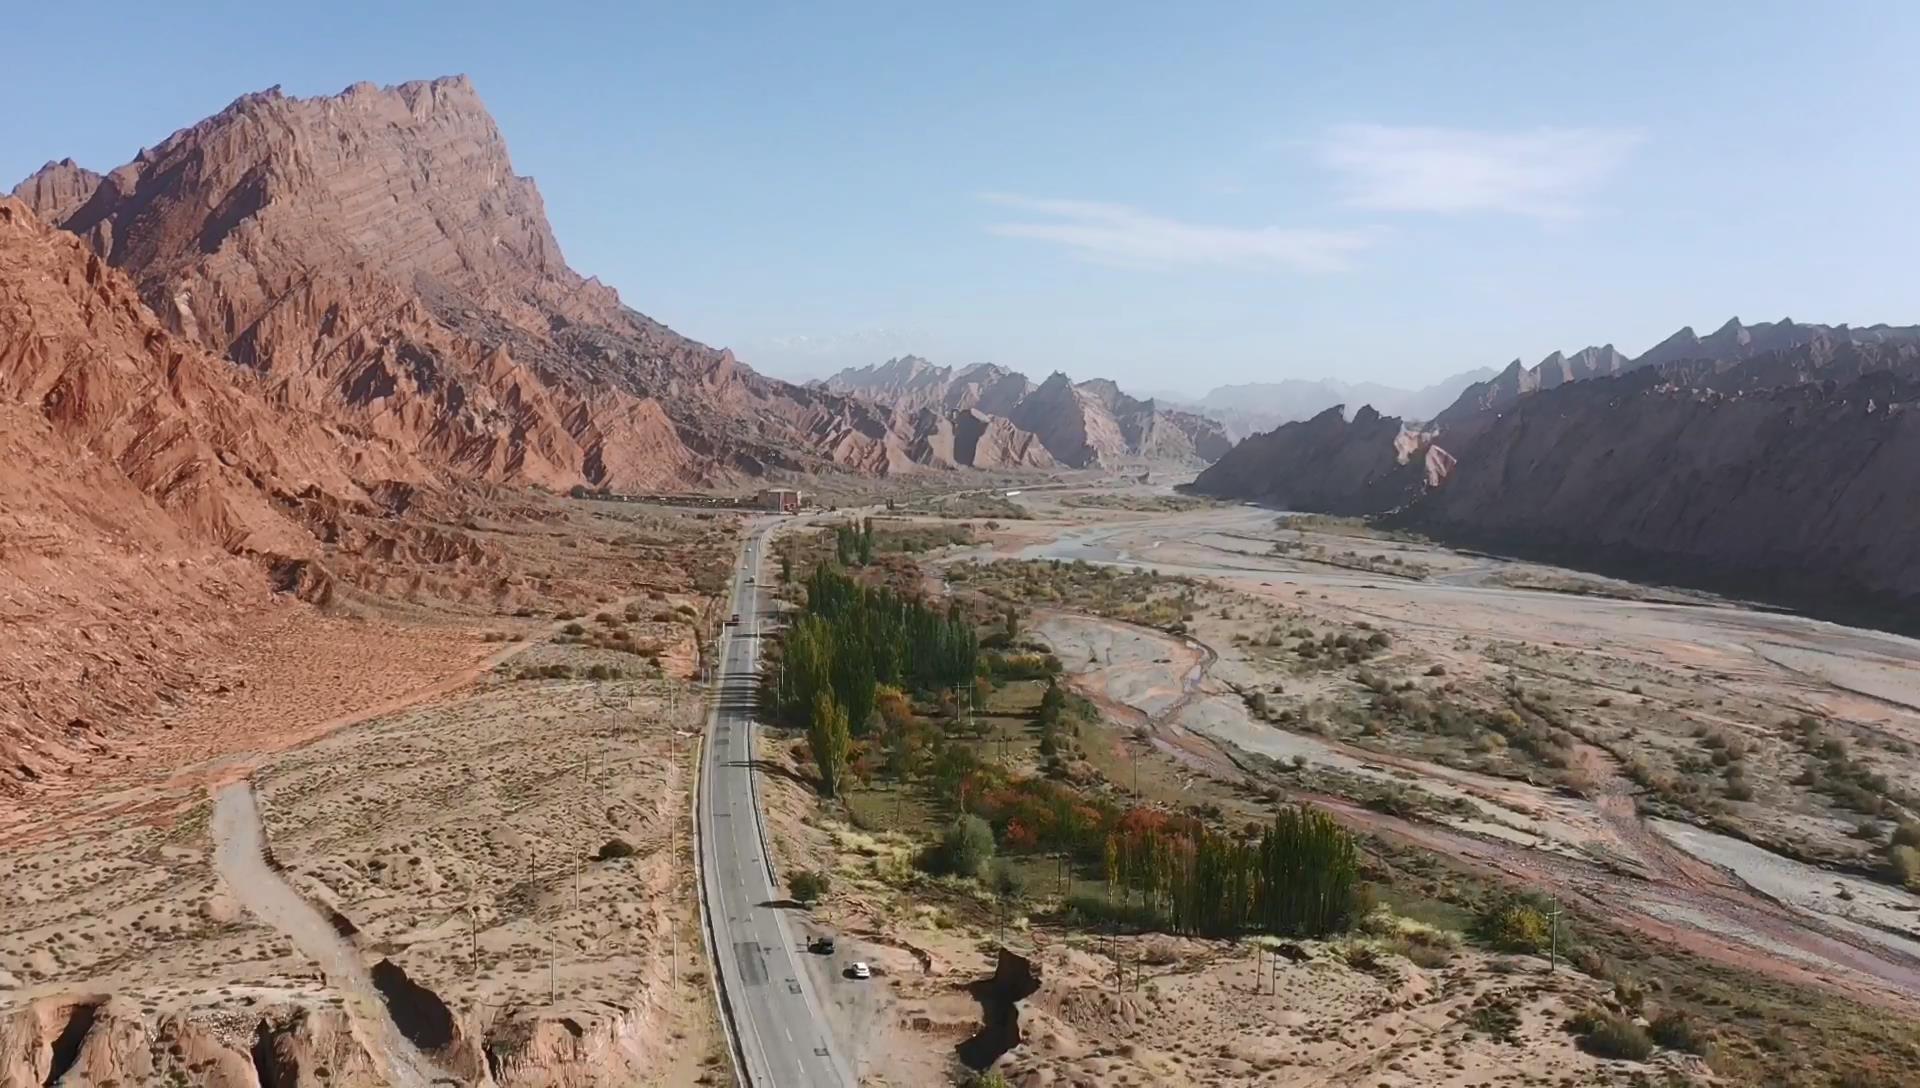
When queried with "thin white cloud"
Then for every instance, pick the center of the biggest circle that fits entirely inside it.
(1120, 234)
(1546, 173)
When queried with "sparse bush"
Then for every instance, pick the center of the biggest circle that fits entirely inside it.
(573, 629)
(1610, 1035)
(1675, 1031)
(615, 848)
(1903, 865)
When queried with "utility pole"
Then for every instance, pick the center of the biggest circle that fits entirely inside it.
(1553, 936)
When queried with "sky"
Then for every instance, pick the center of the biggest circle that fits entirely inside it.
(1174, 196)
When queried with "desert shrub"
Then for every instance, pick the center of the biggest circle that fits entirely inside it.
(808, 885)
(1674, 1030)
(1610, 1035)
(1903, 865)
(990, 1078)
(615, 848)
(573, 629)
(1907, 834)
(1513, 924)
(603, 672)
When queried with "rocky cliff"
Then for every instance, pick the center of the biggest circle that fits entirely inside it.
(139, 474)
(1327, 464)
(374, 259)
(1800, 490)
(1786, 475)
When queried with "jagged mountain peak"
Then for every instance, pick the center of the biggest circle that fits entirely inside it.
(375, 258)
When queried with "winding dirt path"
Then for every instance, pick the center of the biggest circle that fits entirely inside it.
(240, 856)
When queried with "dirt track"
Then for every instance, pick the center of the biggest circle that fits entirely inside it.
(240, 856)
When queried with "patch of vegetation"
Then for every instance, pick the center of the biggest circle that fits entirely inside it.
(1141, 597)
(1514, 923)
(986, 504)
(1146, 504)
(1611, 1035)
(965, 848)
(915, 539)
(545, 672)
(1494, 1015)
(1675, 1030)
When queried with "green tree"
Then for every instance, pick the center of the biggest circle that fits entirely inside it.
(808, 885)
(967, 846)
(1053, 706)
(828, 737)
(786, 568)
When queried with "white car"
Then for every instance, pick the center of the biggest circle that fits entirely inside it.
(861, 970)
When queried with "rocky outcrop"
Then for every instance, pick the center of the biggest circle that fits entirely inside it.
(57, 190)
(1327, 464)
(969, 438)
(374, 259)
(89, 1040)
(1089, 424)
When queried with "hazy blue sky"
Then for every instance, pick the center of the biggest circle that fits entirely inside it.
(1173, 195)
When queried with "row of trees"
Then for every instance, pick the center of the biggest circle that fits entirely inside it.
(853, 545)
(1298, 879)
(852, 642)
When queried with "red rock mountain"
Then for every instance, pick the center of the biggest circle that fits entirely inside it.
(1082, 425)
(143, 483)
(373, 258)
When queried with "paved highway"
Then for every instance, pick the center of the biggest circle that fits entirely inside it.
(766, 995)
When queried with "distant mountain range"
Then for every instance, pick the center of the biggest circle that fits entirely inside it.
(1776, 459)
(1085, 424)
(1251, 407)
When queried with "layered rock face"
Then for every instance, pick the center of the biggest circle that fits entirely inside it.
(374, 258)
(1786, 475)
(1085, 425)
(138, 474)
(1802, 491)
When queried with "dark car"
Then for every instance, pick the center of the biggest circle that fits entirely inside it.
(821, 946)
